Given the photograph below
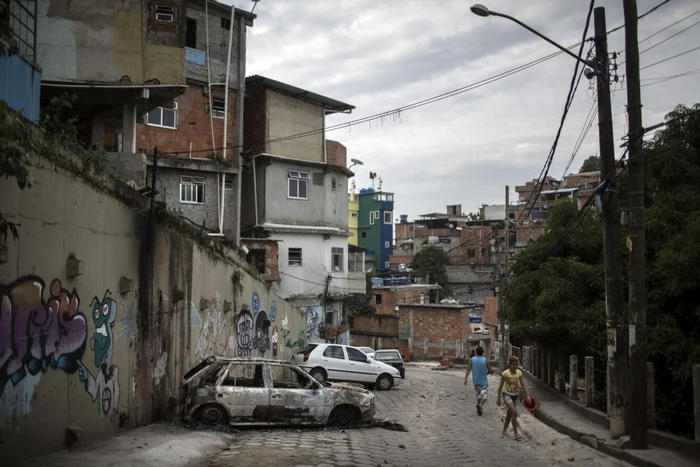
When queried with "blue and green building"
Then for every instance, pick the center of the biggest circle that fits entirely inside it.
(375, 225)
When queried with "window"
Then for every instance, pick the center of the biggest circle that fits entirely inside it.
(165, 13)
(228, 182)
(387, 245)
(377, 299)
(355, 355)
(376, 215)
(163, 117)
(333, 184)
(471, 252)
(285, 377)
(371, 217)
(387, 217)
(387, 265)
(191, 189)
(353, 215)
(298, 184)
(337, 259)
(245, 376)
(330, 315)
(218, 107)
(226, 23)
(191, 33)
(334, 351)
(363, 235)
(387, 356)
(294, 257)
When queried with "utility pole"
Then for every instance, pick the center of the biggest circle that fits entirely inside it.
(501, 312)
(614, 304)
(637, 288)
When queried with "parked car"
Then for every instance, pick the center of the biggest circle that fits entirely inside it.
(391, 357)
(255, 391)
(369, 351)
(334, 362)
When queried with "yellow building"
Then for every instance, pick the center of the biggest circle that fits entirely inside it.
(353, 213)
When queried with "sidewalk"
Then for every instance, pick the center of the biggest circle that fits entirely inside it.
(556, 413)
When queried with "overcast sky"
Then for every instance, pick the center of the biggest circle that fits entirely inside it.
(382, 54)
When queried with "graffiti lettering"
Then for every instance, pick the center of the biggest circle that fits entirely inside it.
(36, 335)
(244, 333)
(214, 335)
(103, 388)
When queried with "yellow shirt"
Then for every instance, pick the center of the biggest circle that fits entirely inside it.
(512, 383)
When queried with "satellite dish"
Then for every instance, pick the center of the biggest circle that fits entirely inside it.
(451, 225)
(356, 161)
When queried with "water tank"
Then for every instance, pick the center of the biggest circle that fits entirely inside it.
(369, 190)
(404, 218)
(432, 239)
(363, 190)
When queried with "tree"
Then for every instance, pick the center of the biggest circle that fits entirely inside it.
(434, 261)
(592, 164)
(473, 216)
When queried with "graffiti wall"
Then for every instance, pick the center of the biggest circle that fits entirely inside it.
(96, 333)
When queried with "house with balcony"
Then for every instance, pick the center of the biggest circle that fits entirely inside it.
(20, 75)
(294, 190)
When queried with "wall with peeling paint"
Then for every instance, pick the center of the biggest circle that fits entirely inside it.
(84, 347)
(123, 37)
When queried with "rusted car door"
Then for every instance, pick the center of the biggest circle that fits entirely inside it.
(295, 398)
(244, 390)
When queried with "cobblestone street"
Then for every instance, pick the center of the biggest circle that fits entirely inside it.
(443, 429)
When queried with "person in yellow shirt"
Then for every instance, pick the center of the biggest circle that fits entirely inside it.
(509, 391)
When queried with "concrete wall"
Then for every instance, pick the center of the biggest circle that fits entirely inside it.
(128, 167)
(73, 36)
(288, 116)
(324, 206)
(83, 343)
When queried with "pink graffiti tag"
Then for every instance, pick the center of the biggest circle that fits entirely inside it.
(38, 334)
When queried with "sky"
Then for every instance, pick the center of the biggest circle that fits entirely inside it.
(381, 55)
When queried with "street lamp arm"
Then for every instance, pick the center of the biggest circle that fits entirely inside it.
(563, 49)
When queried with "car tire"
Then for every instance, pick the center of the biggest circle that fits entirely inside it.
(344, 416)
(319, 374)
(213, 414)
(384, 382)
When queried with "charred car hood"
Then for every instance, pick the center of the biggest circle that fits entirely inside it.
(349, 387)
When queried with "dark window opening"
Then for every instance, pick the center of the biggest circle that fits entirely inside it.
(378, 299)
(363, 234)
(191, 34)
(329, 318)
(218, 107)
(165, 13)
(256, 258)
(226, 23)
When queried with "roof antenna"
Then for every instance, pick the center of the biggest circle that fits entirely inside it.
(255, 3)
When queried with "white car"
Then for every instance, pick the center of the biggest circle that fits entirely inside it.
(334, 362)
(368, 351)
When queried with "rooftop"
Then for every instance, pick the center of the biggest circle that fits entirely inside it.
(435, 306)
(257, 82)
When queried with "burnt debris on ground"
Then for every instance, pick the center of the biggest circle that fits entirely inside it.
(376, 423)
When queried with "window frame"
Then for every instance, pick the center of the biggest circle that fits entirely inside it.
(289, 257)
(297, 177)
(378, 299)
(353, 215)
(193, 182)
(363, 234)
(334, 254)
(350, 358)
(371, 218)
(325, 351)
(390, 217)
(171, 13)
(160, 125)
(221, 112)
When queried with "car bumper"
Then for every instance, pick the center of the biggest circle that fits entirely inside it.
(397, 380)
(367, 413)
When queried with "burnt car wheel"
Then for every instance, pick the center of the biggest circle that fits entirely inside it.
(344, 416)
(318, 374)
(384, 382)
(212, 414)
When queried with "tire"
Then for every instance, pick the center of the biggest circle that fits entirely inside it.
(384, 382)
(213, 414)
(344, 416)
(319, 374)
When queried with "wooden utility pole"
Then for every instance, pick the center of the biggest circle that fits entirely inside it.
(637, 290)
(617, 348)
(501, 313)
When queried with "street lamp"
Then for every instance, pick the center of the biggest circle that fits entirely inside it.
(481, 10)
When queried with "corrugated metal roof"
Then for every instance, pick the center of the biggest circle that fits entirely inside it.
(331, 105)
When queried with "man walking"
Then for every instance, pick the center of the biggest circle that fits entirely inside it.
(479, 367)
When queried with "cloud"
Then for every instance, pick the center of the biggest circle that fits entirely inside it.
(462, 150)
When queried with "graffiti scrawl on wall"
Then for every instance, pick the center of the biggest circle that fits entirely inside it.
(104, 387)
(214, 336)
(244, 333)
(313, 319)
(36, 334)
(273, 340)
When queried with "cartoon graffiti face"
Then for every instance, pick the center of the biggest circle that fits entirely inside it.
(262, 333)
(103, 315)
(256, 302)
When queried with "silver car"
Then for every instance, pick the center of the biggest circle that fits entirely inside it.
(256, 391)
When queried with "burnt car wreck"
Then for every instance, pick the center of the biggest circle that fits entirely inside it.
(255, 391)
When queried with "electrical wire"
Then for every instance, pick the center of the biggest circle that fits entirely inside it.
(670, 58)
(638, 17)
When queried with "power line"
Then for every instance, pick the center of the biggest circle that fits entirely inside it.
(670, 58)
(638, 17)
(669, 38)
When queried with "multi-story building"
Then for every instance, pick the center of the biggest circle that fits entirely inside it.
(353, 217)
(294, 193)
(375, 225)
(20, 76)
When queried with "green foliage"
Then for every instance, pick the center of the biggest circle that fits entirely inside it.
(434, 261)
(592, 164)
(473, 216)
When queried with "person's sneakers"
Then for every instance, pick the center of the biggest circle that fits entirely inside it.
(479, 409)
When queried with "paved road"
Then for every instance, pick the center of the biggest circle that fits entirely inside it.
(443, 430)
